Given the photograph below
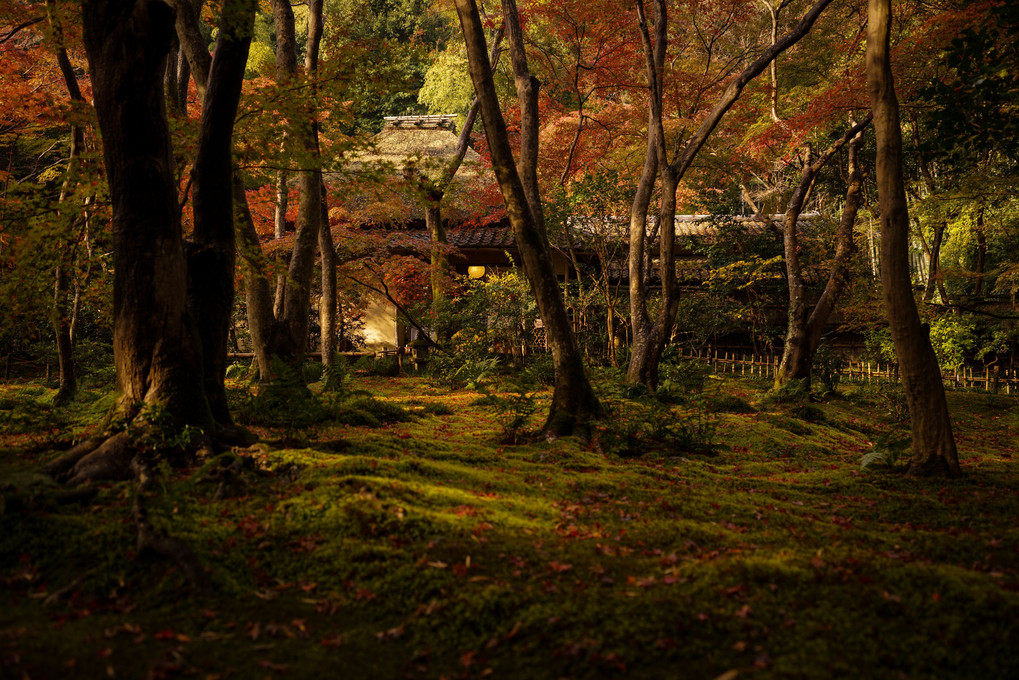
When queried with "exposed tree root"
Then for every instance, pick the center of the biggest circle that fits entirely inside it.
(122, 456)
(110, 461)
(60, 466)
(58, 595)
(157, 540)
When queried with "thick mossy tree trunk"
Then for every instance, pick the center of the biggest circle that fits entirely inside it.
(934, 451)
(574, 404)
(156, 347)
(800, 343)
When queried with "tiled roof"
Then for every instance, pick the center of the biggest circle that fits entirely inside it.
(482, 237)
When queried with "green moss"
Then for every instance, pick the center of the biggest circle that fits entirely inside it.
(423, 548)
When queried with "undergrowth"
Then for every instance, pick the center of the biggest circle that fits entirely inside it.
(426, 547)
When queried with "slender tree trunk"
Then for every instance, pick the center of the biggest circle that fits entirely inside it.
(574, 403)
(170, 83)
(437, 235)
(978, 284)
(212, 252)
(183, 79)
(801, 361)
(328, 303)
(280, 227)
(934, 451)
(290, 346)
(797, 356)
(934, 281)
(62, 315)
(257, 287)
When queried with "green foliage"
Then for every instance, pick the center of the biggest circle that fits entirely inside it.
(639, 423)
(953, 337)
(539, 369)
(156, 431)
(468, 363)
(681, 378)
(285, 403)
(514, 410)
(891, 401)
(807, 412)
(886, 453)
(792, 391)
(826, 372)
(386, 367)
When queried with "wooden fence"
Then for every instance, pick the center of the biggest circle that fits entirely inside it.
(991, 379)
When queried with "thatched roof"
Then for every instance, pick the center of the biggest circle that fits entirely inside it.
(425, 143)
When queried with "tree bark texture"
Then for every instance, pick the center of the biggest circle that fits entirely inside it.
(212, 252)
(574, 403)
(156, 348)
(934, 451)
(797, 355)
(192, 44)
(328, 302)
(258, 299)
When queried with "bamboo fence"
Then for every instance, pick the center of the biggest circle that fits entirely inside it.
(991, 379)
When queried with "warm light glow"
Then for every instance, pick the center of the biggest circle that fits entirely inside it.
(476, 272)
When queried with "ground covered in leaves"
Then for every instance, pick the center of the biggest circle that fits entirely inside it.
(427, 547)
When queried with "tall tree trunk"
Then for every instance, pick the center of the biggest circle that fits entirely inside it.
(328, 303)
(155, 347)
(797, 356)
(62, 315)
(212, 252)
(293, 316)
(574, 403)
(800, 360)
(934, 280)
(280, 226)
(649, 338)
(327, 253)
(258, 300)
(978, 284)
(934, 451)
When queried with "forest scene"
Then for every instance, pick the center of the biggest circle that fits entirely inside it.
(524, 339)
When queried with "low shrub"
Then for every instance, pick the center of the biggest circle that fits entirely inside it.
(728, 403)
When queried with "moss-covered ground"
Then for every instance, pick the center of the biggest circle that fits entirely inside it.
(427, 549)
